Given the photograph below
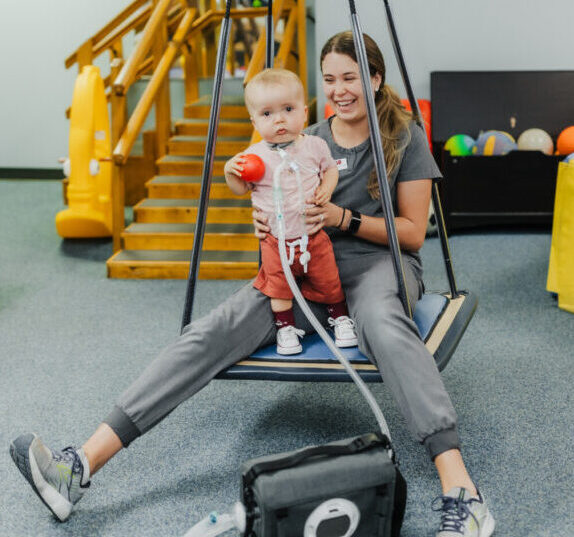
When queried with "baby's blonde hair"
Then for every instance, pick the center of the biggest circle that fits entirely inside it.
(268, 77)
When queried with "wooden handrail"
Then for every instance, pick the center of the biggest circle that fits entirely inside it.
(287, 43)
(121, 31)
(121, 25)
(128, 73)
(137, 119)
(215, 16)
(186, 31)
(258, 60)
(302, 44)
(174, 13)
(110, 27)
(119, 19)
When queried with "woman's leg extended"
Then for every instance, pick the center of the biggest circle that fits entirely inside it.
(391, 340)
(230, 332)
(227, 334)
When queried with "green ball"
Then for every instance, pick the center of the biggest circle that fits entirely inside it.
(459, 145)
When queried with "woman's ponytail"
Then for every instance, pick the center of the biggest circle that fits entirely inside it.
(393, 121)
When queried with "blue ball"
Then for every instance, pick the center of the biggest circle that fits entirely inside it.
(569, 158)
(494, 143)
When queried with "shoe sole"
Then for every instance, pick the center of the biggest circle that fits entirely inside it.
(25, 462)
(287, 351)
(488, 526)
(346, 343)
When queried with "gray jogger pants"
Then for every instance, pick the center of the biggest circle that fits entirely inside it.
(244, 322)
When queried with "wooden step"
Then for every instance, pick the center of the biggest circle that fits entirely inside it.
(226, 127)
(185, 211)
(228, 265)
(232, 107)
(184, 186)
(195, 145)
(180, 237)
(181, 165)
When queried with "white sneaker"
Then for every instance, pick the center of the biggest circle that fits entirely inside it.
(344, 328)
(288, 340)
(463, 515)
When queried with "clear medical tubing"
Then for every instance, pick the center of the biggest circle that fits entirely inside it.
(278, 198)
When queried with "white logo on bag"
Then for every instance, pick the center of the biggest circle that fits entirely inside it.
(334, 509)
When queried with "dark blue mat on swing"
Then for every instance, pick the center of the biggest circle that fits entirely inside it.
(440, 319)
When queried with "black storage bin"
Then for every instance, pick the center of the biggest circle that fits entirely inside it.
(513, 189)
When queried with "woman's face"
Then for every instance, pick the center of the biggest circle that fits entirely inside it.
(342, 86)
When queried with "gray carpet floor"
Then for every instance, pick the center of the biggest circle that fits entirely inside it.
(71, 340)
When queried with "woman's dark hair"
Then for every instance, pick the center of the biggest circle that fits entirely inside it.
(392, 116)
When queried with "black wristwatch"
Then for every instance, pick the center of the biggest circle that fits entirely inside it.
(354, 223)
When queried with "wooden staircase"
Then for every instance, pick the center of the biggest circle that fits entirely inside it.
(182, 37)
(159, 241)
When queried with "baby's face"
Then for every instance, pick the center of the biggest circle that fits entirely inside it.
(278, 112)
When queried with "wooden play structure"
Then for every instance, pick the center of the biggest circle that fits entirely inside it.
(158, 169)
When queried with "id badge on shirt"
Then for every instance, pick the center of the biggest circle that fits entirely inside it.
(341, 164)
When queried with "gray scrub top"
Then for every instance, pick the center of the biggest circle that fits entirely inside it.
(355, 165)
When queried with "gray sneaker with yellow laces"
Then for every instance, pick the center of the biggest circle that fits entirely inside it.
(57, 477)
(463, 515)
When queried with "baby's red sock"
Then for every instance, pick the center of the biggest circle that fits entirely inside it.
(338, 310)
(284, 318)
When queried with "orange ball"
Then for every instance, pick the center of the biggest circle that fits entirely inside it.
(565, 142)
(253, 168)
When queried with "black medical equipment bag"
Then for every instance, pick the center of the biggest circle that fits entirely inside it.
(326, 491)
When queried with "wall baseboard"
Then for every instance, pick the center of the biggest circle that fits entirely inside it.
(31, 173)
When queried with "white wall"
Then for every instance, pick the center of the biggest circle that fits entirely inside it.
(37, 35)
(457, 35)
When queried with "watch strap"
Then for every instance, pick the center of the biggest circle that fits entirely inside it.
(354, 223)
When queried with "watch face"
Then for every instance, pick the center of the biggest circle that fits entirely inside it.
(355, 222)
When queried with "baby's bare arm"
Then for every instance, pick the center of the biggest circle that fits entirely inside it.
(325, 190)
(232, 171)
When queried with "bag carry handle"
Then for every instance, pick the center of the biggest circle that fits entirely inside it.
(358, 444)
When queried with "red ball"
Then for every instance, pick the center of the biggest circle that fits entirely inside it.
(253, 168)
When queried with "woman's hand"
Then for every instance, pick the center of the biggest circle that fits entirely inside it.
(260, 223)
(317, 217)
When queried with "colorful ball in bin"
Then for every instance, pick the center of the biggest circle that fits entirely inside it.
(459, 145)
(569, 158)
(494, 143)
(565, 141)
(535, 140)
(253, 168)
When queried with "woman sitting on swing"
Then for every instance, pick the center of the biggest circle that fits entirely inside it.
(244, 322)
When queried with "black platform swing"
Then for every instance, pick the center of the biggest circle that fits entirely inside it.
(441, 318)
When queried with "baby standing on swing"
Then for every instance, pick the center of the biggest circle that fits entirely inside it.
(308, 175)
